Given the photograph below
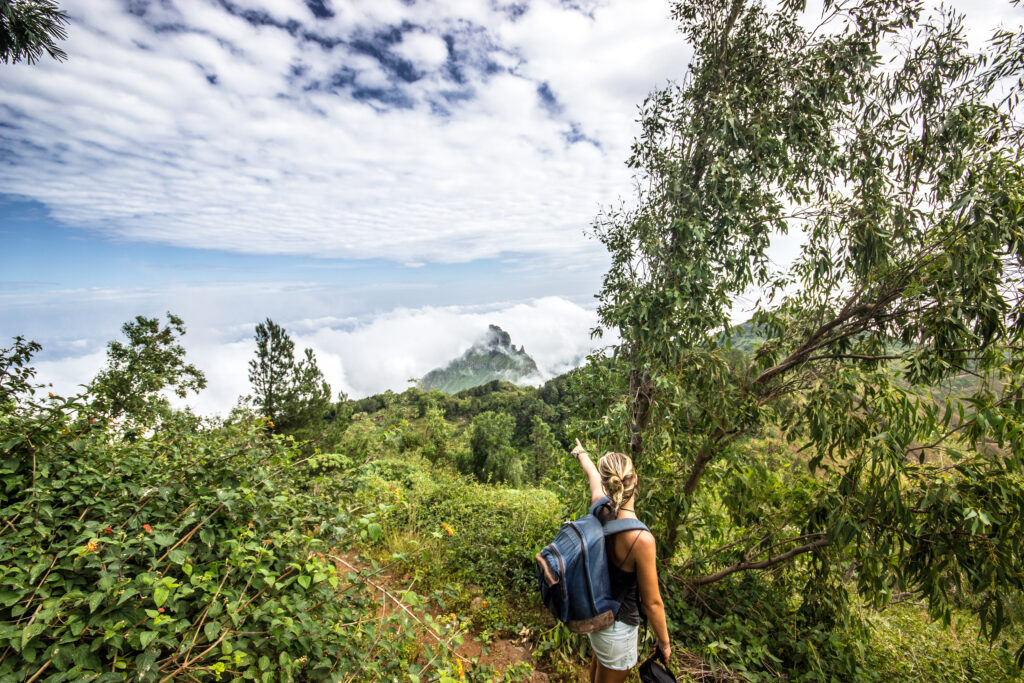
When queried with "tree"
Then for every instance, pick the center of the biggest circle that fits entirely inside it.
(492, 456)
(30, 27)
(437, 433)
(270, 372)
(543, 447)
(15, 372)
(907, 182)
(292, 395)
(152, 361)
(309, 396)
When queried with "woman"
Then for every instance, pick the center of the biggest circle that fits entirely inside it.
(632, 568)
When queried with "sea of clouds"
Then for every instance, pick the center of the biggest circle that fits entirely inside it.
(370, 354)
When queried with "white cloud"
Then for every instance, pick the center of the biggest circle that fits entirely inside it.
(386, 351)
(367, 355)
(188, 125)
(424, 50)
(244, 137)
(67, 375)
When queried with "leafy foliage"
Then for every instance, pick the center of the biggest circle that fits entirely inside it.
(477, 533)
(492, 456)
(15, 372)
(906, 180)
(30, 27)
(196, 552)
(152, 361)
(292, 395)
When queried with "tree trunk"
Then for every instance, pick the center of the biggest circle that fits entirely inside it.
(640, 389)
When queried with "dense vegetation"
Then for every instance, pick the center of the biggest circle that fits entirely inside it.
(837, 487)
(158, 545)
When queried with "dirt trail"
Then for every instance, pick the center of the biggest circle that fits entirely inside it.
(500, 654)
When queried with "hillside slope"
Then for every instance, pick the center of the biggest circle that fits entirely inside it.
(491, 357)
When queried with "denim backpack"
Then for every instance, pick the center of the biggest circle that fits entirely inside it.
(573, 571)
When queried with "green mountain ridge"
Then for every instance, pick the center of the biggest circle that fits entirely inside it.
(492, 357)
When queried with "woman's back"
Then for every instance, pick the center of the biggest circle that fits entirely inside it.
(622, 550)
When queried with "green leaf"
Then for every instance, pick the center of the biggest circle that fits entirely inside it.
(144, 663)
(163, 540)
(11, 443)
(147, 637)
(211, 629)
(8, 598)
(31, 631)
(304, 580)
(94, 601)
(160, 595)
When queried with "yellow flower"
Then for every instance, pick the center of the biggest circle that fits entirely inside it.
(91, 546)
(448, 529)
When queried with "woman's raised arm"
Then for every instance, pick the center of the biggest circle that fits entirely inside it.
(593, 478)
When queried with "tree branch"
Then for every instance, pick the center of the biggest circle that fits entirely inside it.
(763, 564)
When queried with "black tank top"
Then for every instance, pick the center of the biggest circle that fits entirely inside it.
(625, 590)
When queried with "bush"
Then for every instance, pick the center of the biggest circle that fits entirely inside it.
(485, 535)
(191, 551)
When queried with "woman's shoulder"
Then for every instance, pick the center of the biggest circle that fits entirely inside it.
(644, 541)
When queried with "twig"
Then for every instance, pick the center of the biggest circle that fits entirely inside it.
(189, 535)
(199, 656)
(207, 610)
(39, 673)
(265, 589)
(404, 608)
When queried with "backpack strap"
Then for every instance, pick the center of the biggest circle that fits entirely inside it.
(600, 503)
(617, 526)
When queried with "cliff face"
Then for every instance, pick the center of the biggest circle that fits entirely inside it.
(491, 357)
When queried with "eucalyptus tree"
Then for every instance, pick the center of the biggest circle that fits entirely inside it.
(903, 174)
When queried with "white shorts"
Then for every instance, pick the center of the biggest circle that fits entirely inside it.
(615, 646)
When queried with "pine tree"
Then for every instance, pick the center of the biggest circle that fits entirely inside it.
(291, 394)
(270, 372)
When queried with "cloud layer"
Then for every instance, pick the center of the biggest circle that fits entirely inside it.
(416, 132)
(368, 355)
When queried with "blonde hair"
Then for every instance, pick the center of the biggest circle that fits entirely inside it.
(618, 478)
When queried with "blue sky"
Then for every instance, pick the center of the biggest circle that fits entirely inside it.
(383, 177)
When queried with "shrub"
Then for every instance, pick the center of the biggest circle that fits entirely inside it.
(192, 551)
(487, 534)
